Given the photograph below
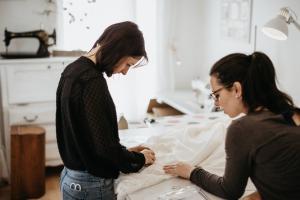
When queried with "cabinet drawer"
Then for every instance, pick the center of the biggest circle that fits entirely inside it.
(33, 82)
(32, 114)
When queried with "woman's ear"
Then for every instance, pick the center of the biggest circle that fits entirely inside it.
(237, 86)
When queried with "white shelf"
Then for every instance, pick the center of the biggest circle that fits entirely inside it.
(182, 100)
(37, 60)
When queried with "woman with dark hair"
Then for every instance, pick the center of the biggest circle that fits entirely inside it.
(264, 144)
(86, 121)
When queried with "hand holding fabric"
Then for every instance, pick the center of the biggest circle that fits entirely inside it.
(149, 156)
(138, 148)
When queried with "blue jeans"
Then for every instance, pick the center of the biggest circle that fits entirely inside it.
(76, 185)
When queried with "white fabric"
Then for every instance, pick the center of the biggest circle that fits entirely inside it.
(192, 144)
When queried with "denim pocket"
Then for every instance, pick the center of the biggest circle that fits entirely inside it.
(72, 193)
(62, 176)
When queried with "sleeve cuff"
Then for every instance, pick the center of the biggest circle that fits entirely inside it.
(193, 175)
(142, 158)
(139, 162)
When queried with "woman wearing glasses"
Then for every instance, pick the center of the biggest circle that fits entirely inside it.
(264, 144)
(86, 122)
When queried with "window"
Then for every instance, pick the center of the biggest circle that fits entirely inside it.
(83, 21)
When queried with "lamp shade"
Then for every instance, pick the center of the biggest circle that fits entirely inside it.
(276, 28)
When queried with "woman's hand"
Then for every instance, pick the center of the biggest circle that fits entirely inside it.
(138, 148)
(149, 156)
(181, 169)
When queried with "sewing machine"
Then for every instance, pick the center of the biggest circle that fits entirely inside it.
(41, 35)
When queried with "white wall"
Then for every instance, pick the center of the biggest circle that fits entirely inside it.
(214, 47)
(130, 93)
(90, 20)
(180, 39)
(198, 32)
(283, 53)
(146, 77)
(190, 26)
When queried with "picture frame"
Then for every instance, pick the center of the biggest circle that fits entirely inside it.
(236, 20)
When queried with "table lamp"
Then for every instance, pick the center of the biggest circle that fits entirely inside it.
(277, 28)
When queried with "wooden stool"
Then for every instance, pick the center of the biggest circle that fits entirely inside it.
(27, 162)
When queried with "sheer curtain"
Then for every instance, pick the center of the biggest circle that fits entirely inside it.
(166, 59)
(182, 43)
(81, 22)
(168, 52)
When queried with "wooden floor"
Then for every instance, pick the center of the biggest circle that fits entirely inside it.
(52, 186)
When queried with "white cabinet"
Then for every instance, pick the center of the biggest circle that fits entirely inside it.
(25, 81)
(28, 93)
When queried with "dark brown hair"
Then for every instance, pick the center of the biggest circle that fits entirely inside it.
(257, 76)
(118, 41)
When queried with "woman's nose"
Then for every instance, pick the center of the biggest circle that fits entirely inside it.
(216, 103)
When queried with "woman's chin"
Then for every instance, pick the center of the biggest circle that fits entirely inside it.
(226, 113)
(231, 115)
(234, 115)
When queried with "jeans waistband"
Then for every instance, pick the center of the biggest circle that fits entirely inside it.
(76, 172)
(83, 174)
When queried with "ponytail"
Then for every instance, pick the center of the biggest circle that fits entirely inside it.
(257, 76)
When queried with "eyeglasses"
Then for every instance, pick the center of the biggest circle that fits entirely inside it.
(141, 62)
(215, 96)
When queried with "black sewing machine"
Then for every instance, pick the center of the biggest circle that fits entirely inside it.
(41, 35)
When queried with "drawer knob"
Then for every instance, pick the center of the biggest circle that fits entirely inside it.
(31, 119)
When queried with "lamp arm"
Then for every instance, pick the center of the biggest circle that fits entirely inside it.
(296, 24)
(292, 18)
